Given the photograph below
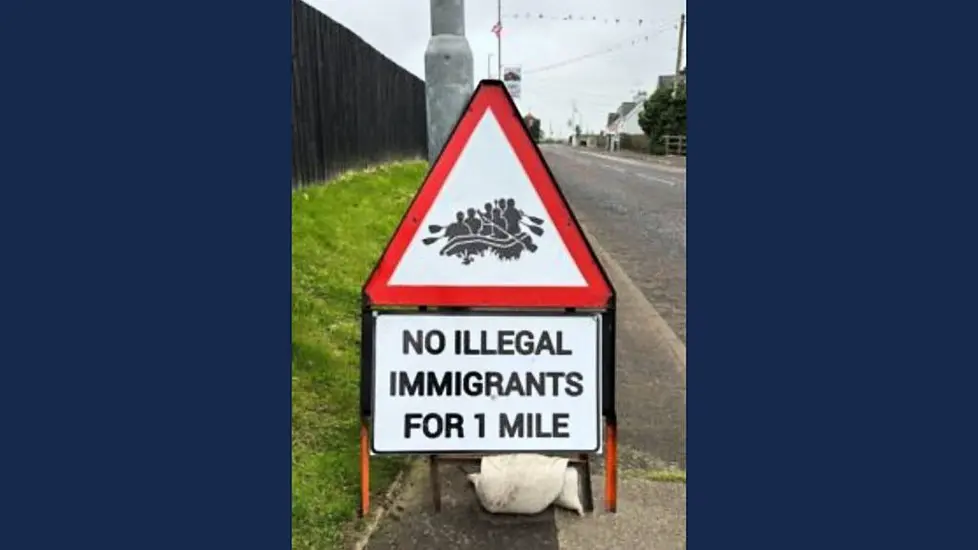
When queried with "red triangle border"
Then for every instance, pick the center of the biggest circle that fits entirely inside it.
(596, 294)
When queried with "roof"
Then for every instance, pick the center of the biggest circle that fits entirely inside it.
(633, 109)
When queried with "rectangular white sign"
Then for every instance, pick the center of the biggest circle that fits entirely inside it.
(513, 79)
(486, 383)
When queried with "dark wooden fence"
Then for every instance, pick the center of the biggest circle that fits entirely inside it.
(351, 105)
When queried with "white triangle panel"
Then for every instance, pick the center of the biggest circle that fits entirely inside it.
(486, 170)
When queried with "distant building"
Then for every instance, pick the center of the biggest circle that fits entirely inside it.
(666, 81)
(626, 121)
(625, 108)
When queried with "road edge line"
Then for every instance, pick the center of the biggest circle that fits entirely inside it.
(626, 288)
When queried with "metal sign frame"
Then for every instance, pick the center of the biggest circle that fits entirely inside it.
(607, 350)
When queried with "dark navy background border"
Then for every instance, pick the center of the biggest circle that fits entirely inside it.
(144, 261)
(831, 276)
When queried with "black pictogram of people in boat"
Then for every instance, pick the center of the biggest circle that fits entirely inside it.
(499, 228)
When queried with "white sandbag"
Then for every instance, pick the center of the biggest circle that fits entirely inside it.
(519, 483)
(569, 496)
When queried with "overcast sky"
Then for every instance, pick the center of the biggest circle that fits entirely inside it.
(400, 30)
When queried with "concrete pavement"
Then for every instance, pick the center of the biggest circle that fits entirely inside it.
(636, 224)
(651, 515)
(413, 524)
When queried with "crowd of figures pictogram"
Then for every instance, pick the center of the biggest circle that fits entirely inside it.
(499, 228)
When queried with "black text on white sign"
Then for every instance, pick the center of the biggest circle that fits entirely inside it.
(471, 383)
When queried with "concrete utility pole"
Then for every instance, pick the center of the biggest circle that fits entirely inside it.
(489, 67)
(679, 54)
(448, 71)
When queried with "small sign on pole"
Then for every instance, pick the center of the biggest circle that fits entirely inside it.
(513, 78)
(488, 323)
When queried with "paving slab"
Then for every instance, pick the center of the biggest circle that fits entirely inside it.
(651, 516)
(412, 523)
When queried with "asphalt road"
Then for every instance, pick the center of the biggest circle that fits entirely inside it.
(637, 211)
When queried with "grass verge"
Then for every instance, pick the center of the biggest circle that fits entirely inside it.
(338, 232)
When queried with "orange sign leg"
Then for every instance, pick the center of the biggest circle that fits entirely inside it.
(611, 468)
(364, 469)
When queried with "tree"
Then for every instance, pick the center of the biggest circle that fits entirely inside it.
(664, 114)
(533, 125)
(535, 132)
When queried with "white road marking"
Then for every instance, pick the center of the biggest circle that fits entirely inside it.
(633, 162)
(660, 180)
(621, 170)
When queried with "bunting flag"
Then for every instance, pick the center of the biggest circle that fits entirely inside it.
(571, 17)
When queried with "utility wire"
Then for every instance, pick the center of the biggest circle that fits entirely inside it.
(632, 42)
(558, 82)
(590, 95)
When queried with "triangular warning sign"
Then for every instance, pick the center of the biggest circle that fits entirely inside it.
(489, 226)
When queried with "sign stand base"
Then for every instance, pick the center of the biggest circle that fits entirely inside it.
(580, 461)
(565, 279)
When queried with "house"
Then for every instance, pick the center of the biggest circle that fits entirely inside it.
(626, 121)
(666, 81)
